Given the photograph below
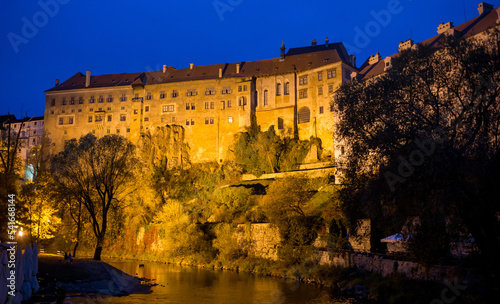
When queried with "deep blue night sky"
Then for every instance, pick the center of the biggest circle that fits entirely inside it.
(133, 36)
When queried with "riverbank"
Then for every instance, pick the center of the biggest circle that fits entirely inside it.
(86, 277)
(365, 287)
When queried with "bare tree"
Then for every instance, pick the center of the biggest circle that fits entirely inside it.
(96, 172)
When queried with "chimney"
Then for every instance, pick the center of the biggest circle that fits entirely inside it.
(87, 79)
(484, 8)
(191, 65)
(220, 72)
(282, 48)
(57, 82)
(326, 42)
(237, 68)
(353, 60)
(314, 43)
(388, 63)
(164, 68)
(374, 59)
(405, 45)
(443, 27)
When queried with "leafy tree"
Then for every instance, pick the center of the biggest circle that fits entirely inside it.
(285, 205)
(10, 165)
(423, 140)
(98, 173)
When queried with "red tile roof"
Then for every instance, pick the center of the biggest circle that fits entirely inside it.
(296, 60)
(465, 30)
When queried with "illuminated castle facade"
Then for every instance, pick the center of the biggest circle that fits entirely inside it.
(212, 103)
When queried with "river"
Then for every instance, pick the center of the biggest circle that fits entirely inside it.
(183, 284)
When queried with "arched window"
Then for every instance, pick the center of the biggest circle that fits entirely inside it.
(287, 88)
(278, 89)
(266, 97)
(304, 115)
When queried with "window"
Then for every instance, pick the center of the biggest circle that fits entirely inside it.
(149, 96)
(278, 89)
(52, 102)
(72, 100)
(168, 108)
(80, 100)
(109, 118)
(110, 98)
(303, 93)
(123, 117)
(280, 123)
(210, 91)
(303, 80)
(174, 94)
(242, 101)
(123, 98)
(70, 120)
(162, 94)
(240, 88)
(266, 97)
(321, 110)
(123, 108)
(135, 111)
(206, 120)
(331, 74)
(93, 132)
(192, 106)
(64, 111)
(52, 112)
(188, 121)
(191, 92)
(226, 90)
(330, 88)
(222, 104)
(109, 108)
(192, 122)
(320, 76)
(287, 89)
(79, 110)
(128, 130)
(188, 106)
(117, 130)
(207, 105)
(72, 110)
(304, 115)
(146, 109)
(91, 110)
(64, 101)
(146, 118)
(320, 90)
(108, 131)
(61, 121)
(245, 88)
(91, 100)
(229, 103)
(230, 119)
(98, 118)
(101, 99)
(212, 120)
(212, 105)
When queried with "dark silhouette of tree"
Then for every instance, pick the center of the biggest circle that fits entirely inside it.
(96, 172)
(423, 140)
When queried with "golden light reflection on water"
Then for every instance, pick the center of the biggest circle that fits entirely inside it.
(178, 284)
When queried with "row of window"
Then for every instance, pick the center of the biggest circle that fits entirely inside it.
(149, 96)
(332, 73)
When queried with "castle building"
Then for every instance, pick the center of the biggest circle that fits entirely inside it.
(31, 132)
(212, 103)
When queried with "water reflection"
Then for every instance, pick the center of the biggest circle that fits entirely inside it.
(178, 284)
